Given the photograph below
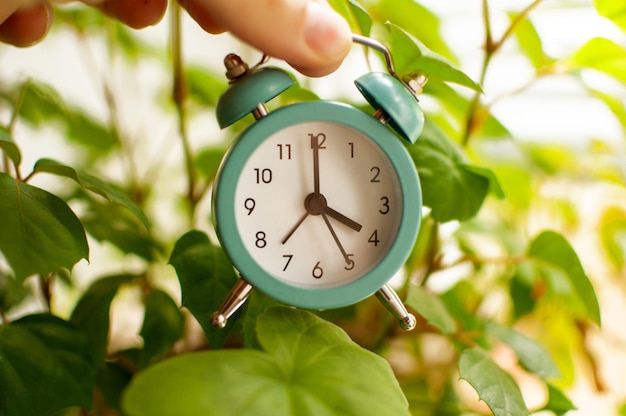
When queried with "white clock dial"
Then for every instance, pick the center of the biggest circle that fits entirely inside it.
(318, 204)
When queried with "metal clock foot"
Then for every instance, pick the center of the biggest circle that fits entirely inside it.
(236, 297)
(389, 298)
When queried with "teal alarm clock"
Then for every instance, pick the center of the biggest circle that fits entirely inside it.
(318, 204)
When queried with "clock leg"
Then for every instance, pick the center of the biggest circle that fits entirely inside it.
(389, 298)
(236, 297)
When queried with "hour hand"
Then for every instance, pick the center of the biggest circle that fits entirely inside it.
(342, 219)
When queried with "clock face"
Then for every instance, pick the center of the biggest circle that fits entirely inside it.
(317, 205)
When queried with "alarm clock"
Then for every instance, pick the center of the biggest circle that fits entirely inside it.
(318, 204)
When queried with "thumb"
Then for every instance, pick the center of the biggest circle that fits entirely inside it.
(24, 24)
(308, 34)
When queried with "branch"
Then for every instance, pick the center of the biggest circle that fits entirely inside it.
(491, 48)
(179, 95)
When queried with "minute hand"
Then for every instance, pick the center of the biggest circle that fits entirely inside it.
(342, 219)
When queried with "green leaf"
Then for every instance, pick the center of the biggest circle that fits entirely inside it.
(494, 386)
(93, 184)
(431, 308)
(40, 233)
(111, 379)
(529, 42)
(208, 161)
(614, 10)
(9, 147)
(308, 367)
(603, 55)
(256, 304)
(204, 86)
(163, 325)
(558, 402)
(553, 249)
(531, 355)
(452, 188)
(612, 230)
(404, 14)
(358, 18)
(410, 55)
(118, 226)
(12, 292)
(91, 313)
(44, 367)
(206, 276)
(42, 104)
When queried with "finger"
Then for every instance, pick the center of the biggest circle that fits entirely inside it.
(134, 13)
(25, 26)
(308, 34)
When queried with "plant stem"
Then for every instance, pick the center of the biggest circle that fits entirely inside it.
(16, 111)
(475, 115)
(45, 283)
(179, 94)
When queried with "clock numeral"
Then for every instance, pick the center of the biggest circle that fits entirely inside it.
(288, 257)
(260, 239)
(284, 151)
(263, 175)
(351, 144)
(349, 262)
(385, 209)
(374, 238)
(317, 140)
(375, 174)
(249, 204)
(317, 272)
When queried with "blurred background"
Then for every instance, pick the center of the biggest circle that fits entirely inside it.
(549, 123)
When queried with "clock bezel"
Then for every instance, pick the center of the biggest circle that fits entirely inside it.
(225, 192)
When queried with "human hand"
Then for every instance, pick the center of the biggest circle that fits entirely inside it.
(307, 34)
(25, 22)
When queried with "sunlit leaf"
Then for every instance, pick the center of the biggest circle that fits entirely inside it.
(530, 42)
(163, 325)
(614, 10)
(308, 367)
(494, 386)
(406, 14)
(558, 402)
(206, 276)
(555, 250)
(40, 233)
(93, 184)
(410, 55)
(531, 355)
(91, 313)
(462, 302)
(10, 147)
(613, 235)
(431, 308)
(44, 367)
(358, 18)
(452, 188)
(603, 55)
(256, 304)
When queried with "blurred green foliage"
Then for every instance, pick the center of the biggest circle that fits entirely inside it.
(483, 277)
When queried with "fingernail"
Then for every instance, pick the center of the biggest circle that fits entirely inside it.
(325, 31)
